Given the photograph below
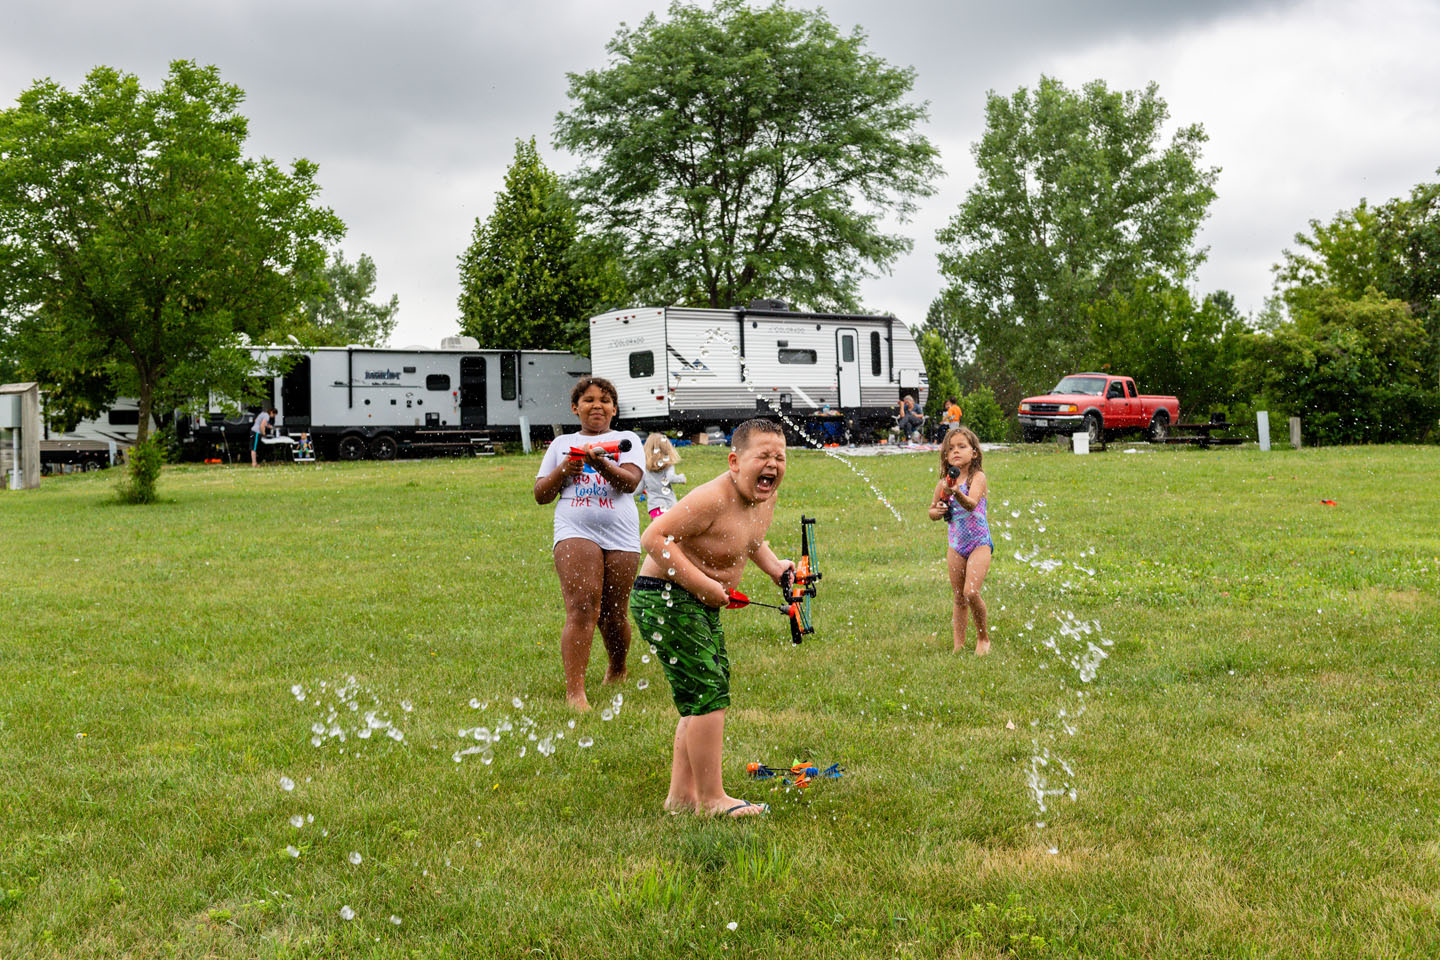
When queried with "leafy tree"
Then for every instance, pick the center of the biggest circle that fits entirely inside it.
(939, 370)
(1351, 369)
(529, 279)
(137, 242)
(340, 311)
(740, 153)
(1077, 200)
(1154, 331)
(1393, 249)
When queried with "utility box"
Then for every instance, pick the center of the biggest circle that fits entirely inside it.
(20, 435)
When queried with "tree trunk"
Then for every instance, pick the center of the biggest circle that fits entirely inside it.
(147, 403)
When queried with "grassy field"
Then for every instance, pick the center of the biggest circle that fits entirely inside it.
(1237, 682)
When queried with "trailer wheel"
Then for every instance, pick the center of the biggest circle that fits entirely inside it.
(90, 466)
(351, 447)
(384, 447)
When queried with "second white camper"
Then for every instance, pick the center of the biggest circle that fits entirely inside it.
(690, 367)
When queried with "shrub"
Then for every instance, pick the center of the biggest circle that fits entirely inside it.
(142, 470)
(983, 414)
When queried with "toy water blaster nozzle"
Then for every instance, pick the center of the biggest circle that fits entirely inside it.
(612, 449)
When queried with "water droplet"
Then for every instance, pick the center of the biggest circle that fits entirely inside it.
(487, 757)
(316, 741)
(517, 703)
(394, 734)
(346, 913)
(642, 683)
(732, 925)
(660, 620)
(670, 572)
(672, 660)
(297, 821)
(474, 703)
(287, 784)
(586, 742)
(406, 705)
(644, 658)
(394, 919)
(665, 554)
(354, 857)
(607, 714)
(292, 851)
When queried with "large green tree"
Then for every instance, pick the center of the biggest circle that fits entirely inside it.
(530, 279)
(1154, 331)
(138, 242)
(341, 309)
(1078, 198)
(738, 152)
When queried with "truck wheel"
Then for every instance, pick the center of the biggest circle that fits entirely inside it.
(383, 447)
(1160, 427)
(351, 447)
(1095, 428)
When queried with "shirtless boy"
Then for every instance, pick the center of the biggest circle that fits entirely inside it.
(694, 555)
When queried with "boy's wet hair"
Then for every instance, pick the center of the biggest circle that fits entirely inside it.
(747, 431)
(955, 433)
(585, 383)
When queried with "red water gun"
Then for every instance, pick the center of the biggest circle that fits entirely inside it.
(612, 449)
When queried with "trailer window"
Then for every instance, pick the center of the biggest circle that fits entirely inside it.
(507, 376)
(875, 353)
(124, 418)
(799, 356)
(642, 364)
(437, 381)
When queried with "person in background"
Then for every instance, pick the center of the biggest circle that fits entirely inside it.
(951, 418)
(911, 418)
(264, 426)
(660, 475)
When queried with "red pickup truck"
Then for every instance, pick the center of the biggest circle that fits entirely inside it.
(1100, 405)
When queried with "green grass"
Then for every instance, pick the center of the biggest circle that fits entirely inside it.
(1255, 768)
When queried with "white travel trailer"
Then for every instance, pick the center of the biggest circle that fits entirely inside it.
(690, 367)
(357, 402)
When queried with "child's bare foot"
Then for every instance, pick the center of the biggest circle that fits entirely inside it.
(615, 677)
(734, 809)
(679, 805)
(982, 646)
(959, 647)
(578, 704)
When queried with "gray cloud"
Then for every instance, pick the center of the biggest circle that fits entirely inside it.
(412, 111)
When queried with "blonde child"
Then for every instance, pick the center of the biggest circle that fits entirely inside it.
(960, 498)
(660, 475)
(694, 556)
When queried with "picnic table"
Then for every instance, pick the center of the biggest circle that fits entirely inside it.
(1202, 434)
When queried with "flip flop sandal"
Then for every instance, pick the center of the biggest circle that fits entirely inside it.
(764, 809)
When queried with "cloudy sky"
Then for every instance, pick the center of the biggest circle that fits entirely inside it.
(411, 110)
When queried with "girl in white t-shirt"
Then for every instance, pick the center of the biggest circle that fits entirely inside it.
(597, 531)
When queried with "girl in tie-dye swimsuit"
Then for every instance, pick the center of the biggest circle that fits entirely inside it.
(960, 499)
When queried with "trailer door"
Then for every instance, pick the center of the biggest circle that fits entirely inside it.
(472, 391)
(847, 366)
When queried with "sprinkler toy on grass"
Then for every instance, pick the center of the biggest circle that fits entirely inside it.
(797, 587)
(804, 773)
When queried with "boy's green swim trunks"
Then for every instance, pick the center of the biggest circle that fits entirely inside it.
(691, 644)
